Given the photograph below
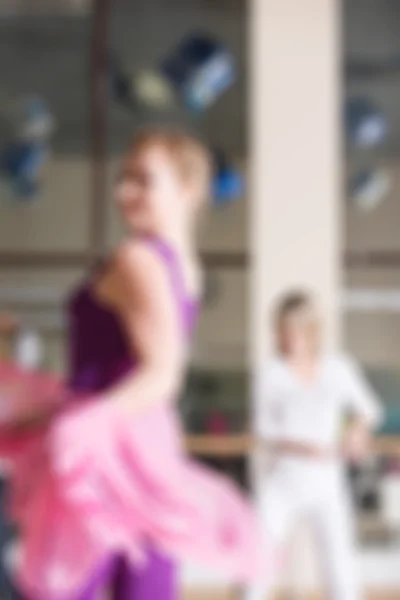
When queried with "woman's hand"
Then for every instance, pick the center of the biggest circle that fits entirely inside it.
(316, 452)
(357, 443)
(301, 449)
(320, 452)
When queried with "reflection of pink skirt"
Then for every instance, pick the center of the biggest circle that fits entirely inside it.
(95, 484)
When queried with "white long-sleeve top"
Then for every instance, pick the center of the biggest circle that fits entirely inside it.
(288, 409)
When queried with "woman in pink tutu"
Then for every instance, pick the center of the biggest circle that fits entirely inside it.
(111, 499)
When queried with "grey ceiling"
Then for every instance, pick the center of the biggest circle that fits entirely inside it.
(50, 56)
(372, 33)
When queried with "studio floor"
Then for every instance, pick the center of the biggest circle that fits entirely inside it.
(206, 595)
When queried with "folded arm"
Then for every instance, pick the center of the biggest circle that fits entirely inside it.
(269, 422)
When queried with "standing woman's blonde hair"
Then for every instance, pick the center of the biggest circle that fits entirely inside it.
(297, 311)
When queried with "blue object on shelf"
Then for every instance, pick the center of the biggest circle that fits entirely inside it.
(366, 125)
(369, 187)
(22, 162)
(201, 69)
(27, 151)
(228, 187)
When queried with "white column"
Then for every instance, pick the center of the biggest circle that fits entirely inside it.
(295, 156)
(295, 160)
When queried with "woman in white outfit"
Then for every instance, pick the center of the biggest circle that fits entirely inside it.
(303, 399)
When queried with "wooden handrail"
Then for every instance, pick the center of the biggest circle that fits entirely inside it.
(38, 259)
(216, 445)
(233, 446)
(387, 445)
(212, 259)
(372, 259)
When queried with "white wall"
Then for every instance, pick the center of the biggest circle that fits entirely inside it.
(296, 174)
(296, 171)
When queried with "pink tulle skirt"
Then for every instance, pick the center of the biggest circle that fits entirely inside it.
(94, 484)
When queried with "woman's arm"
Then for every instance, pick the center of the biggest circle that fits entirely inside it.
(298, 449)
(361, 399)
(366, 412)
(139, 288)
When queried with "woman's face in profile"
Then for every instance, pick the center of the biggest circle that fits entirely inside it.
(300, 334)
(148, 193)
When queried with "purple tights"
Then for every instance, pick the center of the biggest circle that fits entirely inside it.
(157, 581)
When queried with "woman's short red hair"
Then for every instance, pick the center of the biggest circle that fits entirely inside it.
(191, 157)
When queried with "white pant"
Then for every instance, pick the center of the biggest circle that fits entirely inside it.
(296, 489)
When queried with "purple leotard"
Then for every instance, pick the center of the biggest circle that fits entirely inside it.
(99, 355)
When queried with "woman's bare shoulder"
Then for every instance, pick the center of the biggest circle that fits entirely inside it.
(133, 266)
(134, 255)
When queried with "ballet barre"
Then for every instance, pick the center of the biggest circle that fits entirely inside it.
(229, 446)
(233, 446)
